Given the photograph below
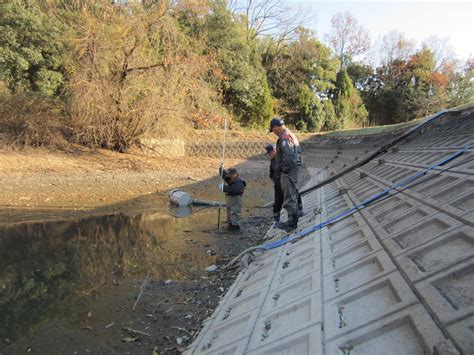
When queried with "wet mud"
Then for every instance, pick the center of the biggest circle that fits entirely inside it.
(127, 279)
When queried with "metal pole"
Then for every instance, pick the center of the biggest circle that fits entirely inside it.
(221, 173)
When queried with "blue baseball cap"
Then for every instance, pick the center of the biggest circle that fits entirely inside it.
(276, 122)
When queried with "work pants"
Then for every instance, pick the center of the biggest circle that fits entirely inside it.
(290, 194)
(278, 200)
(234, 209)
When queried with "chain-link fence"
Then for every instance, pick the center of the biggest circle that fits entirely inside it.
(180, 148)
(235, 150)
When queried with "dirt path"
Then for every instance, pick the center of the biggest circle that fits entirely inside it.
(84, 180)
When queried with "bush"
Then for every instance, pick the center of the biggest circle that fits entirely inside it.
(30, 119)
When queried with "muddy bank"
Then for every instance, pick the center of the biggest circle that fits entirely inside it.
(122, 277)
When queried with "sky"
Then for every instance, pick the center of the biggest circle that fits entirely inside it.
(416, 19)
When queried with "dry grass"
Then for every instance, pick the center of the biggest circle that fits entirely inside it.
(30, 119)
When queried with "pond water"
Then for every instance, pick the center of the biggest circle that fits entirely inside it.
(53, 270)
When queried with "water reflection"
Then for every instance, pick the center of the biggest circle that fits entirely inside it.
(181, 212)
(46, 268)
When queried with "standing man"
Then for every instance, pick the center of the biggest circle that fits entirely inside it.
(287, 165)
(278, 192)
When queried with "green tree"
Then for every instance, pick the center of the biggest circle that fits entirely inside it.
(461, 87)
(331, 121)
(30, 48)
(244, 84)
(349, 108)
(301, 75)
(403, 89)
(310, 110)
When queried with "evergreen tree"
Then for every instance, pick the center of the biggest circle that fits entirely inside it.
(300, 76)
(30, 48)
(350, 110)
(244, 84)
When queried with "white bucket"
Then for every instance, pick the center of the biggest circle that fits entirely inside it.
(180, 198)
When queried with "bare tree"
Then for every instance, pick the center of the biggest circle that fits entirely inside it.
(395, 46)
(272, 21)
(347, 38)
(268, 18)
(442, 49)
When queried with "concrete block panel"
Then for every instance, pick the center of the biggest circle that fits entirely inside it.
(358, 274)
(350, 255)
(305, 342)
(410, 331)
(290, 292)
(296, 272)
(334, 208)
(337, 211)
(244, 288)
(400, 174)
(227, 333)
(468, 168)
(465, 202)
(285, 321)
(469, 216)
(420, 233)
(370, 193)
(449, 293)
(235, 348)
(360, 186)
(462, 333)
(461, 163)
(454, 190)
(238, 306)
(202, 334)
(348, 223)
(333, 196)
(259, 268)
(406, 220)
(384, 171)
(383, 205)
(298, 249)
(439, 254)
(333, 244)
(367, 304)
(431, 186)
(297, 259)
(391, 213)
(311, 205)
(268, 256)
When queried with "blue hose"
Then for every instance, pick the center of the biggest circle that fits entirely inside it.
(305, 232)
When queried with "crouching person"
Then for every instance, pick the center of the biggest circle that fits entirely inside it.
(234, 189)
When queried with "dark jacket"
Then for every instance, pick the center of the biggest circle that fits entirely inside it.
(235, 186)
(288, 152)
(274, 175)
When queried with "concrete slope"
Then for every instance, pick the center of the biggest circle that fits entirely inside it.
(395, 277)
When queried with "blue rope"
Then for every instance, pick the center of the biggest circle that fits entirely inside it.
(305, 232)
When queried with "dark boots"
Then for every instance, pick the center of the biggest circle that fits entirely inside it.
(291, 225)
(293, 222)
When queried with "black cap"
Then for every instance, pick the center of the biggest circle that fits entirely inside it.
(276, 122)
(269, 148)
